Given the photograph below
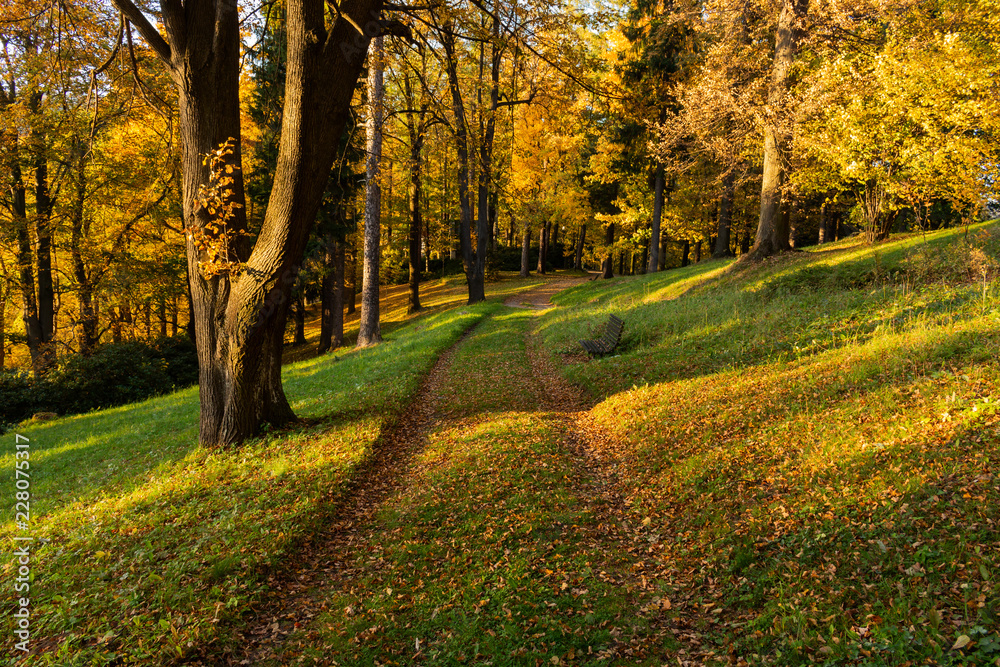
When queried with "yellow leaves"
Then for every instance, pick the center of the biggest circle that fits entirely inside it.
(217, 199)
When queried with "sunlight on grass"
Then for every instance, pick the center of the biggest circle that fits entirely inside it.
(818, 434)
(152, 539)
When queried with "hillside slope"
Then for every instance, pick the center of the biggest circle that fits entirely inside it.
(814, 443)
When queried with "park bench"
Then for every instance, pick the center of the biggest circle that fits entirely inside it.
(607, 343)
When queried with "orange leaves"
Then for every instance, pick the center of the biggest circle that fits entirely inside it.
(218, 201)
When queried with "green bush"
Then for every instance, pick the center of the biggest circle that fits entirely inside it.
(18, 400)
(114, 374)
(181, 359)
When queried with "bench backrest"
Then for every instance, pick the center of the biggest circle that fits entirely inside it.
(613, 330)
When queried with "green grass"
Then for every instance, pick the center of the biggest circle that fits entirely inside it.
(489, 554)
(819, 436)
(153, 540)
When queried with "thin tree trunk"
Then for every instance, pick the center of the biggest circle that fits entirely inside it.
(369, 332)
(607, 269)
(685, 253)
(300, 316)
(525, 250)
(173, 315)
(415, 129)
(725, 217)
(654, 240)
(477, 289)
(351, 288)
(578, 259)
(823, 222)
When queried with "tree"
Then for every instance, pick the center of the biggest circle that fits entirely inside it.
(369, 332)
(772, 229)
(240, 291)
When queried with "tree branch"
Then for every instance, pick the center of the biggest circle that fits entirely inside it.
(146, 29)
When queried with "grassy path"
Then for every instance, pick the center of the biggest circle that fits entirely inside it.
(499, 540)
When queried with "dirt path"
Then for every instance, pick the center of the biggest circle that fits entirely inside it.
(330, 562)
(297, 593)
(539, 298)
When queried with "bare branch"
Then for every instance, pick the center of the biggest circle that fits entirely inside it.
(146, 29)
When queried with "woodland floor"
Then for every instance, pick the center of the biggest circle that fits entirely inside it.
(570, 576)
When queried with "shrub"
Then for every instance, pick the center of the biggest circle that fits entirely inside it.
(181, 359)
(115, 374)
(18, 400)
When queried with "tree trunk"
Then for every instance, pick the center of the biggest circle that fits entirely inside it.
(525, 249)
(578, 258)
(772, 235)
(685, 252)
(369, 332)
(697, 251)
(823, 222)
(240, 314)
(607, 270)
(661, 262)
(331, 335)
(475, 280)
(351, 288)
(300, 316)
(543, 246)
(416, 130)
(725, 217)
(654, 240)
(173, 315)
(87, 315)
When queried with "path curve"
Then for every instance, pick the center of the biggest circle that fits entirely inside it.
(540, 297)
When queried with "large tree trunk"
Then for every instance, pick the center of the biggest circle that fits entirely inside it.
(772, 235)
(654, 239)
(240, 314)
(369, 332)
(725, 217)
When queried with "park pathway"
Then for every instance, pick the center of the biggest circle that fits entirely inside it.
(486, 504)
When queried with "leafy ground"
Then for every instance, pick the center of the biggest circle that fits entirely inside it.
(791, 463)
(147, 542)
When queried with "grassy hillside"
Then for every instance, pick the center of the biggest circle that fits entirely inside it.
(815, 441)
(145, 541)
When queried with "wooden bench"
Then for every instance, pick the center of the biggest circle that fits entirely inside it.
(607, 343)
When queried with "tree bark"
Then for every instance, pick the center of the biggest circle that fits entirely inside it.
(300, 316)
(331, 334)
(543, 246)
(725, 217)
(578, 258)
(525, 250)
(607, 270)
(685, 253)
(240, 314)
(772, 235)
(415, 125)
(474, 278)
(654, 239)
(351, 288)
(369, 332)
(86, 337)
